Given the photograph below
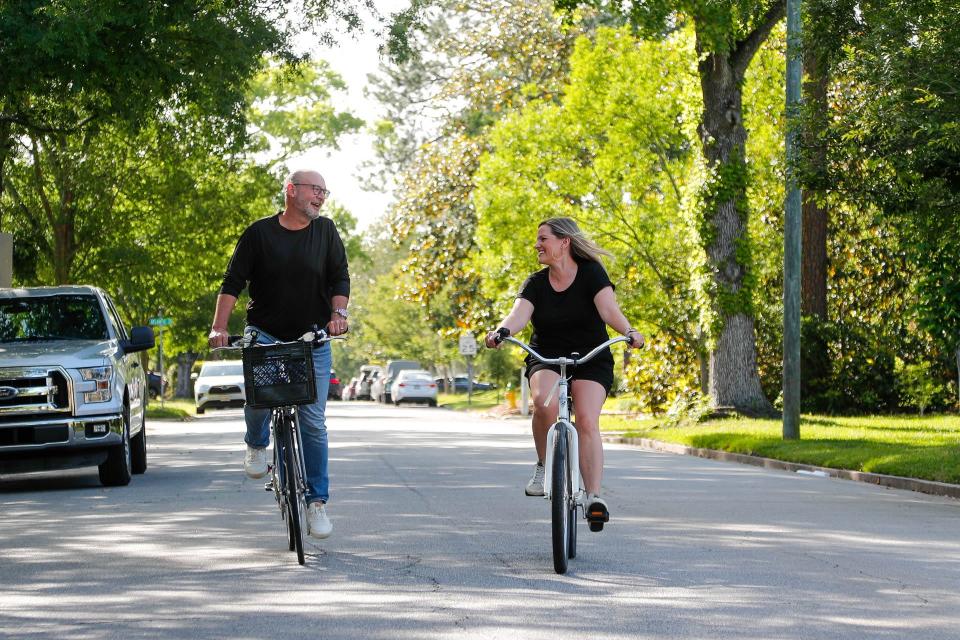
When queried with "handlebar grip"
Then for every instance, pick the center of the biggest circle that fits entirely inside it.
(502, 333)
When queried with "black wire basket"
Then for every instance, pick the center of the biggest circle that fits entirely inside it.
(278, 375)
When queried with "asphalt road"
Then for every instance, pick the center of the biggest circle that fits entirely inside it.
(433, 538)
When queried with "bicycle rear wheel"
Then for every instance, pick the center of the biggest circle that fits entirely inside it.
(292, 477)
(279, 486)
(560, 500)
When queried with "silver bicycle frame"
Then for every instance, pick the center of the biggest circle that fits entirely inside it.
(573, 444)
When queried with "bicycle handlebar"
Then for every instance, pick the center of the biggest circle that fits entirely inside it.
(504, 334)
(315, 338)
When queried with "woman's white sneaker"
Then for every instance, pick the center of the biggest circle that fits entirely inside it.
(535, 486)
(317, 520)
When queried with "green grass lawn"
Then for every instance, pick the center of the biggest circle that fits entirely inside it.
(176, 409)
(479, 400)
(910, 446)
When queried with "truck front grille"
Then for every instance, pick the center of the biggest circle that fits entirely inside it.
(33, 393)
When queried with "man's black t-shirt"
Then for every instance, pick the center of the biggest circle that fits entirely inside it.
(292, 274)
(568, 320)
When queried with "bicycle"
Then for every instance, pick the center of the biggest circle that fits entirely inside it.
(562, 484)
(280, 376)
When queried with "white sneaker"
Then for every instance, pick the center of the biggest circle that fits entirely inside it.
(255, 462)
(535, 486)
(317, 521)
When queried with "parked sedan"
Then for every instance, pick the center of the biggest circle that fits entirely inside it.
(156, 385)
(414, 385)
(350, 389)
(220, 384)
(459, 385)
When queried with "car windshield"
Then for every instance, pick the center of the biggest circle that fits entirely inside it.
(62, 317)
(222, 369)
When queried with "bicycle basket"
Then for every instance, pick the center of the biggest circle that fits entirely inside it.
(278, 375)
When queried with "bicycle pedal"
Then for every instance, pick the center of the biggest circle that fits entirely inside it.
(597, 515)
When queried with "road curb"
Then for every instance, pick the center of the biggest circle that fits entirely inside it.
(894, 482)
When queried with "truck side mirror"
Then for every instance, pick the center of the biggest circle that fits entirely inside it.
(141, 338)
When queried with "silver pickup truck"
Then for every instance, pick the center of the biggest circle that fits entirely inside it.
(72, 391)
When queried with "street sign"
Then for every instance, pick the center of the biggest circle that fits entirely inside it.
(468, 345)
(161, 322)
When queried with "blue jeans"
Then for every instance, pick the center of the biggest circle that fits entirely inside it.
(313, 427)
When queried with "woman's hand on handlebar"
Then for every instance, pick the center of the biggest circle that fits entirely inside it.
(494, 339)
(637, 341)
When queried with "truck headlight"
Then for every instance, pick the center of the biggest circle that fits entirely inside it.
(101, 377)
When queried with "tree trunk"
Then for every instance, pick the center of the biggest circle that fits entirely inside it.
(815, 365)
(6, 146)
(815, 215)
(184, 388)
(63, 252)
(734, 379)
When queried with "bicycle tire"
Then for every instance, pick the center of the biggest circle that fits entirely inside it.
(572, 546)
(292, 464)
(279, 488)
(559, 501)
(572, 519)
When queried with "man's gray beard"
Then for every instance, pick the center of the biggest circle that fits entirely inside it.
(312, 213)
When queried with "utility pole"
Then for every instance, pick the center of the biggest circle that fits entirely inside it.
(792, 233)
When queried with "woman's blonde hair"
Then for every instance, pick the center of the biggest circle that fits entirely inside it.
(580, 245)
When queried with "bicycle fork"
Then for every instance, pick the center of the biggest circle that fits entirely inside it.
(573, 450)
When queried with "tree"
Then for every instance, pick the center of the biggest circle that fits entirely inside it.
(472, 64)
(73, 65)
(894, 142)
(728, 35)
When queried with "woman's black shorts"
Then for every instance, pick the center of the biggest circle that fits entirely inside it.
(600, 369)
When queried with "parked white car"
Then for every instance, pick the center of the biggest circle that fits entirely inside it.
(414, 385)
(220, 384)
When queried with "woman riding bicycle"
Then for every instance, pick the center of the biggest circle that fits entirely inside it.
(569, 303)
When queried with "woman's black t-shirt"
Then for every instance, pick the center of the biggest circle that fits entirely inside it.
(567, 321)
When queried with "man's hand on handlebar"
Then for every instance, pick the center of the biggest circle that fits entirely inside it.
(218, 338)
(337, 326)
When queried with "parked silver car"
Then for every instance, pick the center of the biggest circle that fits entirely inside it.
(383, 386)
(414, 385)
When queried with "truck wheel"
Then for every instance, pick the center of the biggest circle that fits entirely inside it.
(138, 447)
(116, 470)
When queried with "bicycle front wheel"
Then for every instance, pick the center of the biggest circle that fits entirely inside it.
(295, 508)
(560, 500)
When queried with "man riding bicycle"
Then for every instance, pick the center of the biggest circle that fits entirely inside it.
(296, 267)
(570, 303)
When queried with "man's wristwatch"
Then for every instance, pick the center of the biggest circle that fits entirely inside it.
(341, 312)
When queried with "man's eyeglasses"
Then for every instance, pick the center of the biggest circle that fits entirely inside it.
(317, 189)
